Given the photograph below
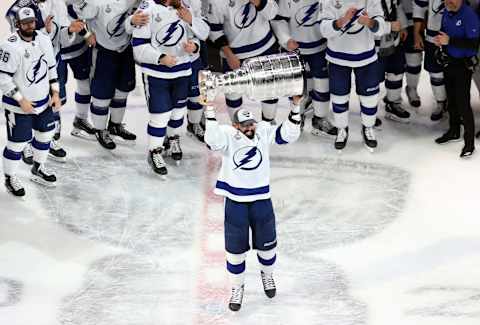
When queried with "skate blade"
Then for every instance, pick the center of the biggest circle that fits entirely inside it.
(57, 159)
(19, 198)
(193, 136)
(83, 135)
(395, 118)
(320, 133)
(41, 181)
(122, 141)
(370, 149)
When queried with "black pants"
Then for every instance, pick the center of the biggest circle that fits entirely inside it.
(458, 79)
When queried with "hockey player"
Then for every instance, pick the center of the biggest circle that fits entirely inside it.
(241, 29)
(392, 59)
(429, 13)
(163, 48)
(296, 27)
(413, 57)
(27, 77)
(113, 66)
(244, 182)
(190, 12)
(350, 29)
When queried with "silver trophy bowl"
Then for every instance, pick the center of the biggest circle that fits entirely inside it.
(260, 78)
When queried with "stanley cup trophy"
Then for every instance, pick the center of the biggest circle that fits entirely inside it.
(260, 78)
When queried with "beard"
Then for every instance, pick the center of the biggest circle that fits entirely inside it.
(27, 33)
(249, 134)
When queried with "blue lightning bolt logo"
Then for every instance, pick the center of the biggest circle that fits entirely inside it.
(308, 14)
(352, 21)
(36, 70)
(248, 157)
(246, 11)
(118, 30)
(170, 31)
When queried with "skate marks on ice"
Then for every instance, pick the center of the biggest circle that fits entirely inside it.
(10, 292)
(121, 202)
(446, 301)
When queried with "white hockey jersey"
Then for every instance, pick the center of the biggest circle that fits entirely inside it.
(166, 34)
(72, 45)
(298, 20)
(246, 29)
(354, 44)
(199, 27)
(245, 172)
(28, 67)
(432, 10)
(107, 20)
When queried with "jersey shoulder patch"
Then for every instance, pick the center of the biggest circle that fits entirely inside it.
(13, 38)
(144, 5)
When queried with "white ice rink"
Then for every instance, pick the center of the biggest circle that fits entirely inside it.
(390, 238)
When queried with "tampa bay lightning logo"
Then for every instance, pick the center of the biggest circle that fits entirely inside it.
(38, 71)
(352, 27)
(115, 27)
(245, 16)
(247, 158)
(437, 7)
(170, 34)
(307, 15)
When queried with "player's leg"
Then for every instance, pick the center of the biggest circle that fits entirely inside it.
(395, 69)
(179, 100)
(340, 84)
(43, 131)
(367, 91)
(56, 151)
(264, 238)
(19, 133)
(436, 81)
(194, 108)
(124, 85)
(234, 101)
(236, 244)
(413, 60)
(102, 89)
(158, 97)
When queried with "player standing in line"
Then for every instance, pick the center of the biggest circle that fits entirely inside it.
(244, 181)
(27, 77)
(163, 49)
(351, 29)
(429, 13)
(296, 28)
(241, 29)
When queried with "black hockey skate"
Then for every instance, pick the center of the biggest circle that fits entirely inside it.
(342, 138)
(438, 113)
(14, 186)
(413, 98)
(103, 137)
(155, 160)
(268, 284)
(42, 176)
(196, 130)
(83, 129)
(56, 152)
(369, 138)
(236, 298)
(322, 126)
(27, 154)
(172, 146)
(395, 112)
(119, 130)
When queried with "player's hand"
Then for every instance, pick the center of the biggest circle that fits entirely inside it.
(185, 15)
(76, 26)
(395, 26)
(55, 101)
(256, 3)
(296, 100)
(403, 35)
(26, 106)
(292, 45)
(139, 18)
(92, 40)
(365, 20)
(233, 61)
(441, 39)
(342, 21)
(168, 60)
(49, 23)
(418, 41)
(189, 46)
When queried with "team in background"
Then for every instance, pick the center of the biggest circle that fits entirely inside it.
(103, 42)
